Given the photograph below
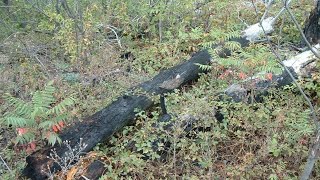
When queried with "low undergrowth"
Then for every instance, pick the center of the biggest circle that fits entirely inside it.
(104, 48)
(267, 140)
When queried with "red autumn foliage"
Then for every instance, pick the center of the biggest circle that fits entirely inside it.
(225, 74)
(242, 75)
(58, 127)
(55, 128)
(21, 131)
(28, 147)
(61, 124)
(269, 76)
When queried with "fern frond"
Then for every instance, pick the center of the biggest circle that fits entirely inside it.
(62, 106)
(232, 34)
(21, 108)
(39, 114)
(233, 46)
(25, 138)
(61, 117)
(46, 124)
(42, 100)
(16, 121)
(204, 67)
(53, 138)
(208, 45)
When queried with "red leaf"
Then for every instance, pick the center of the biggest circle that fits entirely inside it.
(61, 124)
(58, 127)
(22, 131)
(33, 146)
(29, 150)
(225, 73)
(269, 76)
(242, 75)
(55, 129)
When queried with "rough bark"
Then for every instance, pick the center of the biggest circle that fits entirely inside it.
(103, 124)
(94, 171)
(312, 25)
(238, 92)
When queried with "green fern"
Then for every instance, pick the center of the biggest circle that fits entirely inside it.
(219, 36)
(62, 106)
(255, 60)
(39, 115)
(204, 67)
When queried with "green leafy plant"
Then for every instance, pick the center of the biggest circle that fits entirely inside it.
(41, 118)
(247, 62)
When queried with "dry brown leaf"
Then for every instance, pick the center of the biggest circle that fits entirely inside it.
(71, 173)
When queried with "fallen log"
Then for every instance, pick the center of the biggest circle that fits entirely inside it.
(103, 124)
(300, 66)
(297, 66)
(94, 171)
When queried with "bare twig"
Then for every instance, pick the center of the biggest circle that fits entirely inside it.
(313, 154)
(280, 31)
(6, 165)
(112, 28)
(253, 32)
(315, 52)
(314, 150)
(71, 156)
(279, 60)
(15, 34)
(268, 6)
(85, 177)
(312, 158)
(242, 19)
(160, 30)
(35, 57)
(41, 11)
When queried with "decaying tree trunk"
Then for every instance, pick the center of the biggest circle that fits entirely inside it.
(237, 92)
(103, 124)
(312, 25)
(100, 126)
